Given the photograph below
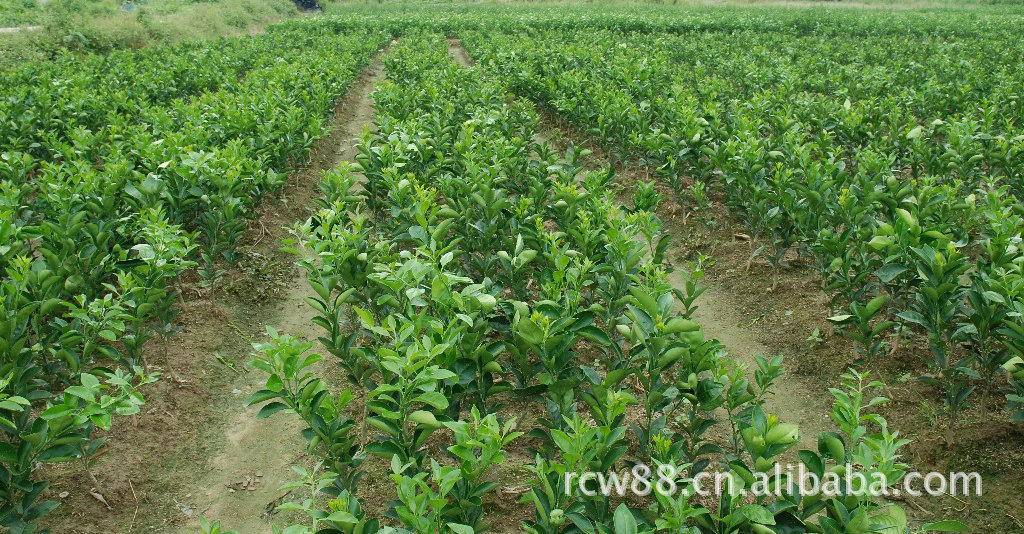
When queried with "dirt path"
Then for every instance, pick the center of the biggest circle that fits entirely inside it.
(197, 451)
(19, 29)
(458, 52)
(242, 485)
(797, 399)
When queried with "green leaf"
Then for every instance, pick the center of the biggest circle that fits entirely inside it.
(889, 272)
(11, 406)
(55, 412)
(529, 331)
(433, 398)
(625, 523)
(90, 380)
(581, 522)
(83, 393)
(145, 251)
(890, 520)
(341, 516)
(595, 334)
(262, 396)
(271, 409)
(108, 335)
(913, 317)
(757, 514)
(459, 528)
(992, 296)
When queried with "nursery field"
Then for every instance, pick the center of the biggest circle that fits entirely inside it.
(453, 269)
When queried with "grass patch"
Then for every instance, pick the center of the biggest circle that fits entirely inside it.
(104, 25)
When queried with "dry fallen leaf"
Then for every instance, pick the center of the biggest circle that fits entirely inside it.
(99, 497)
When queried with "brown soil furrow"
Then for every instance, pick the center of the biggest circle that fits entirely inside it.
(269, 447)
(196, 450)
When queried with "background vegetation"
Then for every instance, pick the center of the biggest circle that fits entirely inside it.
(60, 26)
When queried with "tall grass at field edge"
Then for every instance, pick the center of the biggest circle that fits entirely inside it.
(103, 25)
